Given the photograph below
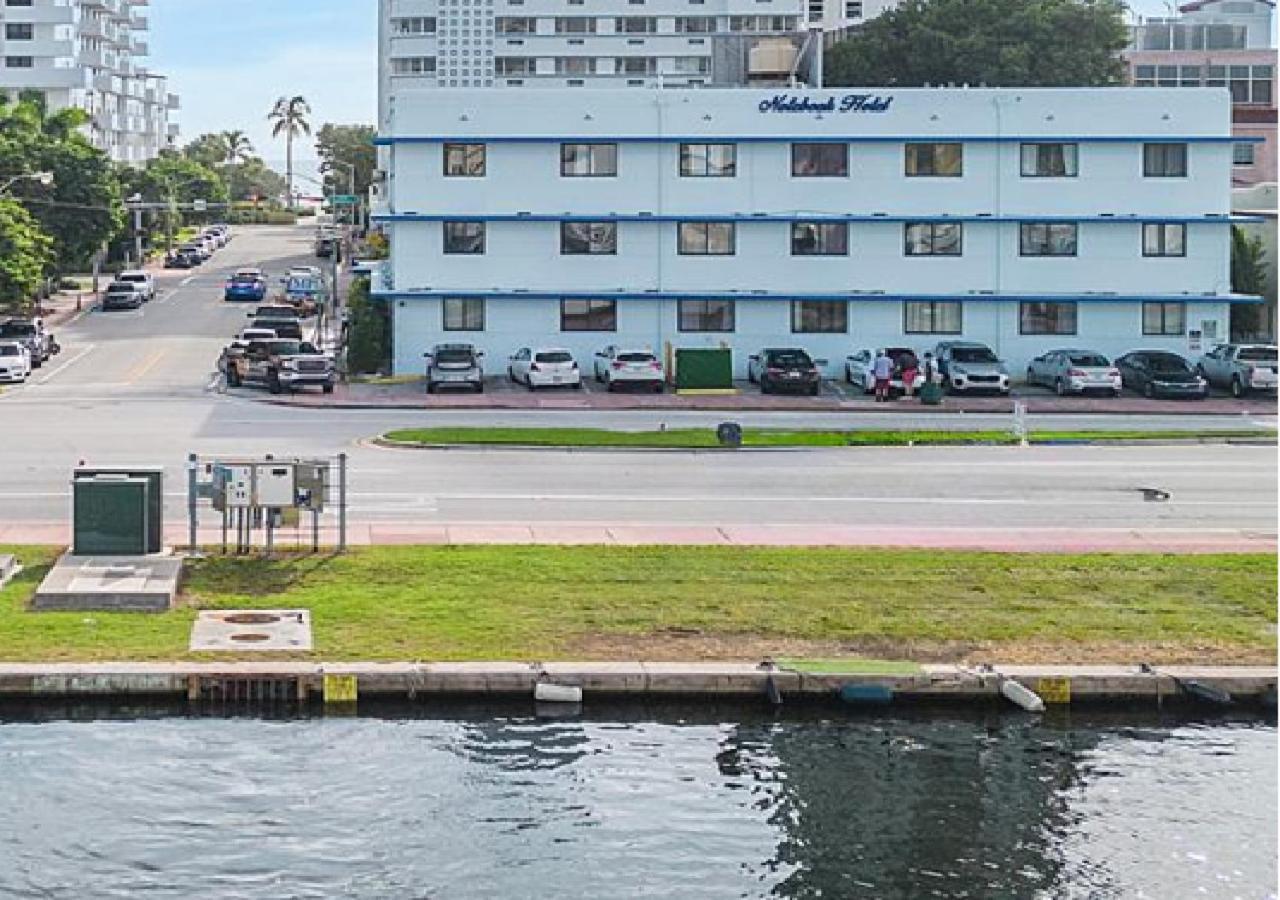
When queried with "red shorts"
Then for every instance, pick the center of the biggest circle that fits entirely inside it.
(882, 384)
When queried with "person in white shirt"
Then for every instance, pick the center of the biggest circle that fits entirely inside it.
(883, 371)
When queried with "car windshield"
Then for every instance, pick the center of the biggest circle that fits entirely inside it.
(245, 279)
(789, 358)
(118, 286)
(973, 355)
(10, 350)
(19, 329)
(453, 356)
(291, 348)
(636, 357)
(1258, 354)
(133, 278)
(1089, 359)
(556, 356)
(1168, 363)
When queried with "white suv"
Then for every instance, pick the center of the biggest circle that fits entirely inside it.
(621, 365)
(147, 284)
(15, 361)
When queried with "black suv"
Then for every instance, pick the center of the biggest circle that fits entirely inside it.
(784, 368)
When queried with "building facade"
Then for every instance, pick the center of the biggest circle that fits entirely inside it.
(88, 54)
(1223, 44)
(833, 220)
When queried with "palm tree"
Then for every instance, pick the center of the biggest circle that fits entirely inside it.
(290, 115)
(237, 150)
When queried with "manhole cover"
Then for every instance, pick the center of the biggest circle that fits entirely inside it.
(251, 637)
(251, 619)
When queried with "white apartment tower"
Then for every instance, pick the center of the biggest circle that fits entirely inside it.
(87, 54)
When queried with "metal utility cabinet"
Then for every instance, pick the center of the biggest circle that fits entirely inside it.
(154, 477)
(111, 515)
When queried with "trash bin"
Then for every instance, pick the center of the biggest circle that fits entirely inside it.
(931, 394)
(729, 434)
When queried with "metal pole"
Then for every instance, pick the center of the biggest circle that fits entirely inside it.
(315, 531)
(224, 529)
(137, 237)
(193, 464)
(342, 503)
(271, 531)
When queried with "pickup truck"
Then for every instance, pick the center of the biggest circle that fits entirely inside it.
(39, 342)
(1242, 368)
(280, 365)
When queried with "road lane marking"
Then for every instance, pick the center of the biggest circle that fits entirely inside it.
(186, 281)
(85, 351)
(139, 371)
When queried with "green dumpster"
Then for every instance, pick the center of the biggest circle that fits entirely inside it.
(704, 369)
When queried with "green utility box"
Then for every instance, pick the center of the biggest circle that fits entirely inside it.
(155, 498)
(110, 515)
(704, 369)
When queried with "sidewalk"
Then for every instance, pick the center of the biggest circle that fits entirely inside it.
(501, 396)
(997, 540)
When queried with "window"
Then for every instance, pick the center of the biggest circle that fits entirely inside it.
(820, 160)
(464, 237)
(1164, 160)
(1049, 239)
(19, 62)
(413, 25)
(463, 314)
(575, 65)
(706, 238)
(1164, 239)
(635, 25)
(464, 160)
(413, 65)
(1242, 154)
(515, 24)
(588, 238)
(1047, 318)
(706, 315)
(708, 160)
(1164, 318)
(935, 160)
(1050, 160)
(819, 317)
(933, 238)
(19, 31)
(575, 25)
(695, 24)
(819, 238)
(931, 317)
(588, 315)
(588, 160)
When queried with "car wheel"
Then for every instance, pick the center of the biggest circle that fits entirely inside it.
(273, 383)
(480, 388)
(1118, 392)
(815, 390)
(658, 388)
(1059, 388)
(1148, 391)
(751, 375)
(1237, 387)
(431, 388)
(951, 386)
(328, 389)
(233, 378)
(765, 387)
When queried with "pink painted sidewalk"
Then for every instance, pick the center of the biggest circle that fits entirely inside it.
(1050, 540)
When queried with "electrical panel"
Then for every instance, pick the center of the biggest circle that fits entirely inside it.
(275, 485)
(232, 486)
(312, 480)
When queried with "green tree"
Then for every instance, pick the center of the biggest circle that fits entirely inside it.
(254, 179)
(208, 150)
(290, 117)
(343, 146)
(1000, 43)
(369, 340)
(25, 254)
(1248, 263)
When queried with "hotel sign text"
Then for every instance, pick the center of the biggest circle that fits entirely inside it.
(847, 103)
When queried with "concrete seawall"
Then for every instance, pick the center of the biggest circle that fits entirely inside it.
(296, 680)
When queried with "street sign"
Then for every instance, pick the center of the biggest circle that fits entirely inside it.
(200, 205)
(345, 200)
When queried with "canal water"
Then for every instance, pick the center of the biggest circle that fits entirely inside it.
(673, 801)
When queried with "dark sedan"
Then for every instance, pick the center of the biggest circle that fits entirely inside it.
(1159, 373)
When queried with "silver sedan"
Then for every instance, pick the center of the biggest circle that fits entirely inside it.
(1075, 372)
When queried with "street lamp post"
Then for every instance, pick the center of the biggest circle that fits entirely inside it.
(44, 178)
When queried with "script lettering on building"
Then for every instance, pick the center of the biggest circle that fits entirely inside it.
(845, 103)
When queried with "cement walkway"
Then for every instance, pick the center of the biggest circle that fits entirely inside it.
(1014, 540)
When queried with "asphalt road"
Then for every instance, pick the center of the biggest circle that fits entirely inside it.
(139, 388)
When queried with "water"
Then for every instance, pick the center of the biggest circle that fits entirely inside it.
(678, 802)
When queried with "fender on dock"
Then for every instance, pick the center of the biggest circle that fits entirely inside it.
(545, 692)
(1021, 695)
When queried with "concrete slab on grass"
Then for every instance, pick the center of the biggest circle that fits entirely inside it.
(110, 584)
(8, 568)
(245, 630)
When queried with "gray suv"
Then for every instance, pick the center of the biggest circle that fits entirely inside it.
(455, 365)
(970, 366)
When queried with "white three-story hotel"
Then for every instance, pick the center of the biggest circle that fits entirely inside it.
(832, 220)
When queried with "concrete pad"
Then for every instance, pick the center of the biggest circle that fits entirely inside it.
(110, 584)
(256, 630)
(8, 568)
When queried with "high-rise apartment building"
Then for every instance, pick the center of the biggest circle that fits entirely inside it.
(1223, 44)
(87, 54)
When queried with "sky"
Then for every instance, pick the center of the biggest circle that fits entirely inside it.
(230, 60)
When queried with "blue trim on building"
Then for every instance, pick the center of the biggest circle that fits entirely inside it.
(1126, 218)
(814, 139)
(498, 293)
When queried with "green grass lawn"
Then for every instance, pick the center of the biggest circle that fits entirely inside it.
(695, 438)
(540, 603)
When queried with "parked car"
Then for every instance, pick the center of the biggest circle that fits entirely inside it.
(245, 287)
(32, 334)
(123, 295)
(615, 366)
(1160, 373)
(15, 362)
(280, 365)
(1241, 368)
(142, 279)
(1075, 372)
(544, 367)
(326, 247)
(970, 366)
(196, 252)
(784, 368)
(289, 327)
(181, 259)
(303, 292)
(257, 334)
(455, 365)
(859, 368)
(276, 311)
